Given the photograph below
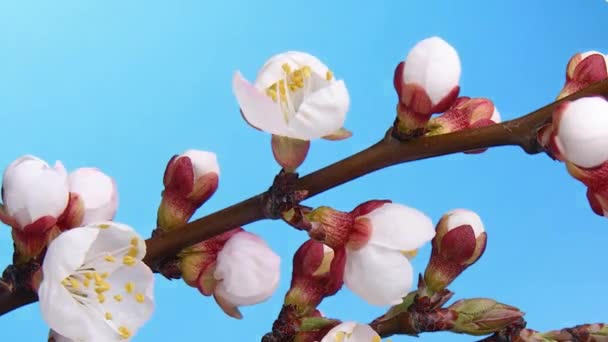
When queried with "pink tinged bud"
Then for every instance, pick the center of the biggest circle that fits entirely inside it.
(465, 113)
(32, 190)
(482, 316)
(190, 180)
(459, 243)
(581, 131)
(74, 213)
(583, 70)
(330, 226)
(247, 272)
(430, 77)
(318, 272)
(379, 270)
(98, 194)
(288, 152)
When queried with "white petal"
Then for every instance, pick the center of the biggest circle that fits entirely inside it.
(399, 227)
(129, 312)
(583, 132)
(248, 270)
(496, 116)
(322, 113)
(379, 275)
(459, 217)
(116, 240)
(353, 332)
(203, 162)
(63, 314)
(259, 110)
(23, 183)
(433, 64)
(272, 70)
(67, 252)
(98, 193)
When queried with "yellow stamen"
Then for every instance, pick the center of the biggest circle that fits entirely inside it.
(286, 68)
(109, 258)
(103, 226)
(88, 275)
(124, 332)
(140, 298)
(376, 339)
(134, 242)
(118, 298)
(101, 298)
(340, 336)
(129, 287)
(86, 282)
(410, 254)
(108, 316)
(133, 251)
(128, 260)
(103, 287)
(104, 275)
(329, 75)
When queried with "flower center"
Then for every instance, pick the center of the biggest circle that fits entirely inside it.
(89, 287)
(291, 90)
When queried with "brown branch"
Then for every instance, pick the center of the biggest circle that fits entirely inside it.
(519, 132)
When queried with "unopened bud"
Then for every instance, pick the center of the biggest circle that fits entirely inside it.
(318, 272)
(190, 180)
(426, 83)
(482, 316)
(583, 70)
(459, 242)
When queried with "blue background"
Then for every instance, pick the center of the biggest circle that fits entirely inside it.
(123, 85)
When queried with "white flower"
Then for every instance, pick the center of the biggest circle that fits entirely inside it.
(434, 65)
(203, 162)
(32, 190)
(351, 332)
(98, 193)
(95, 287)
(459, 217)
(582, 132)
(380, 272)
(247, 270)
(295, 95)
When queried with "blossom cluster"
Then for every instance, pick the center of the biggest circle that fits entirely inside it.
(94, 285)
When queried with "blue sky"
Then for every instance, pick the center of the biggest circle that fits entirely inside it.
(123, 85)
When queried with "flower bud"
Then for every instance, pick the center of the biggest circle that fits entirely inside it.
(583, 70)
(465, 113)
(237, 268)
(330, 226)
(580, 131)
(96, 196)
(318, 272)
(426, 83)
(35, 195)
(459, 242)
(596, 180)
(288, 152)
(482, 316)
(190, 180)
